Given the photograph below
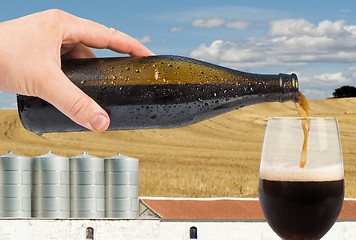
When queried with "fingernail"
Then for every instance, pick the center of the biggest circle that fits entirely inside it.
(99, 122)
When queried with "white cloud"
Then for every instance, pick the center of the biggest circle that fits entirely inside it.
(322, 85)
(208, 22)
(298, 27)
(176, 29)
(219, 21)
(351, 69)
(345, 10)
(145, 39)
(291, 42)
(237, 24)
(335, 78)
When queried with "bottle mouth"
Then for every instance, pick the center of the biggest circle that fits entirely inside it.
(289, 87)
(295, 83)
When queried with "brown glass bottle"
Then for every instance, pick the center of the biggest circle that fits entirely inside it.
(157, 92)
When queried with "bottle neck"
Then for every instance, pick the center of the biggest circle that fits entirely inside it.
(267, 88)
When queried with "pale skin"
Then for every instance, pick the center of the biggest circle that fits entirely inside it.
(30, 60)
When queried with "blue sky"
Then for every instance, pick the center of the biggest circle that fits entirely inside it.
(315, 39)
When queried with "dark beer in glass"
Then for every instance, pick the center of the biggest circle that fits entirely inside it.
(301, 202)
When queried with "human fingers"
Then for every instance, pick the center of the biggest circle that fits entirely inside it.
(77, 51)
(95, 35)
(74, 103)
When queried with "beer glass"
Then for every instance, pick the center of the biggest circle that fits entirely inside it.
(301, 202)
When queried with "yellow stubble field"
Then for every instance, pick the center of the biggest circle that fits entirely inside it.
(215, 158)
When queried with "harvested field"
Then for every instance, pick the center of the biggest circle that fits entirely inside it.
(215, 158)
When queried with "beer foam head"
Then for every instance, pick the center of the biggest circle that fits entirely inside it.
(294, 173)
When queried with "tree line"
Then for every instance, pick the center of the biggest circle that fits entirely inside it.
(344, 92)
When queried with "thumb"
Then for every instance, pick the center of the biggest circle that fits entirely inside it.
(74, 103)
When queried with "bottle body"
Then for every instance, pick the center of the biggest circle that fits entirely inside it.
(157, 92)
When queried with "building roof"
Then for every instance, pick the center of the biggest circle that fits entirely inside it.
(220, 208)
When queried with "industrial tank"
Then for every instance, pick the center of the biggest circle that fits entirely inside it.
(15, 185)
(121, 187)
(50, 186)
(87, 186)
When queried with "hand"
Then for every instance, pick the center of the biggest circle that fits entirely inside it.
(30, 51)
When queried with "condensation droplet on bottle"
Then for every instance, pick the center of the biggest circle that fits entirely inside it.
(156, 74)
(138, 70)
(112, 77)
(82, 82)
(164, 80)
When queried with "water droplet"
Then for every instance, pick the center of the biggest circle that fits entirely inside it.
(156, 74)
(82, 82)
(138, 70)
(127, 68)
(112, 77)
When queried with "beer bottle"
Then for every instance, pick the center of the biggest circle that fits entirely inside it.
(157, 92)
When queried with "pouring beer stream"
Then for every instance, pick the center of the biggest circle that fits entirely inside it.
(303, 109)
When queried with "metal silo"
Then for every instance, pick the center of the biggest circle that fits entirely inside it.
(50, 186)
(87, 186)
(121, 187)
(15, 185)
